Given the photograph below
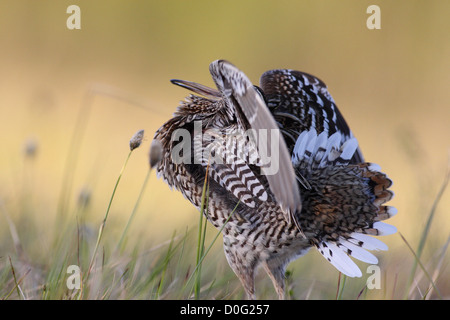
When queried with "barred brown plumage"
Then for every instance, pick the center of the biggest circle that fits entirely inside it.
(321, 193)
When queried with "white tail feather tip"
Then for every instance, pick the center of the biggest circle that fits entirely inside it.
(339, 259)
(384, 229)
(374, 167)
(367, 242)
(358, 252)
(392, 211)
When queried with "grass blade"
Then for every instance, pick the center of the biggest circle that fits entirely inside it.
(417, 260)
(102, 226)
(17, 283)
(425, 232)
(120, 245)
(201, 240)
(340, 288)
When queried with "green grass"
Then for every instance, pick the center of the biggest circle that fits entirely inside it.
(189, 265)
(110, 267)
(34, 257)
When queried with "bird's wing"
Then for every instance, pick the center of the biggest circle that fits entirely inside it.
(251, 112)
(301, 102)
(228, 155)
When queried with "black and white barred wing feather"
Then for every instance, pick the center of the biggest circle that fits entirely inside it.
(313, 150)
(251, 112)
(300, 102)
(228, 155)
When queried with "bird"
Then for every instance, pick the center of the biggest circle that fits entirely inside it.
(314, 190)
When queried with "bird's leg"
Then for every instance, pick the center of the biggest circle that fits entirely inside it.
(244, 270)
(250, 292)
(276, 274)
(246, 276)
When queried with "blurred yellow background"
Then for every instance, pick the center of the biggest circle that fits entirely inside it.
(392, 85)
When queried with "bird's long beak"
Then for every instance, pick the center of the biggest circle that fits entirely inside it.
(198, 88)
